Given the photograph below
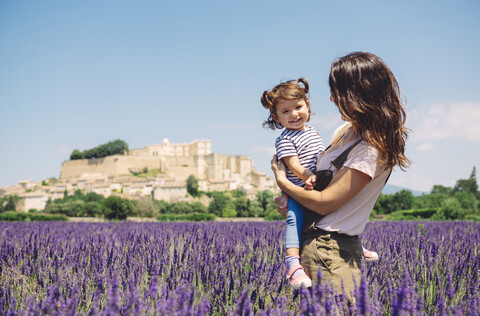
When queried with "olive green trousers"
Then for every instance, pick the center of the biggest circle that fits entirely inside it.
(338, 256)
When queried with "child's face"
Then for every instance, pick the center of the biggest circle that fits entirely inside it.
(292, 114)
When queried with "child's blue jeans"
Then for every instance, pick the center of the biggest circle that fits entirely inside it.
(295, 219)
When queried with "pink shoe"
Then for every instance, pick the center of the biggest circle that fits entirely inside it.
(299, 281)
(370, 256)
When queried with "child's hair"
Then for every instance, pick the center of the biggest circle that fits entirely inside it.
(288, 90)
(368, 95)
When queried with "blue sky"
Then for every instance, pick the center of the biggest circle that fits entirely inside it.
(77, 74)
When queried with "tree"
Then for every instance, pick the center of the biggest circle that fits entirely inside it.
(181, 207)
(440, 189)
(192, 185)
(92, 209)
(219, 202)
(451, 209)
(403, 200)
(198, 207)
(467, 201)
(3, 202)
(115, 207)
(469, 185)
(11, 204)
(243, 207)
(116, 147)
(76, 154)
(265, 198)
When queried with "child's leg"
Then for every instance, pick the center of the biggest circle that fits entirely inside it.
(295, 218)
(293, 234)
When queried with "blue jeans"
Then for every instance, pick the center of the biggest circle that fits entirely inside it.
(295, 218)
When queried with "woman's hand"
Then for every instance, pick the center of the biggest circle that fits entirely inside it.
(279, 170)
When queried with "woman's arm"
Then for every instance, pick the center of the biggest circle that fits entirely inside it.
(344, 186)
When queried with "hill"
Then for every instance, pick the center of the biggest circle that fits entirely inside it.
(391, 189)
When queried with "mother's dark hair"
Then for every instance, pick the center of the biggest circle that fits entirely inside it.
(368, 95)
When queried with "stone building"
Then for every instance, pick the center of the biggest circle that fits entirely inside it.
(172, 163)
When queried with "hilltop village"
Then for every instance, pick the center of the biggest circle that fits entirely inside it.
(159, 171)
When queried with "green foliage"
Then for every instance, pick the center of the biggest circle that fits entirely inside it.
(8, 203)
(12, 216)
(192, 186)
(468, 185)
(117, 208)
(116, 147)
(219, 202)
(144, 208)
(238, 193)
(229, 212)
(388, 203)
(415, 214)
(274, 216)
(198, 207)
(76, 154)
(243, 207)
(186, 217)
(162, 206)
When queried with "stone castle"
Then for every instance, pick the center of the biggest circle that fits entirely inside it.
(172, 163)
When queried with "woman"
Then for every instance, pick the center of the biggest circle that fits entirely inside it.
(368, 96)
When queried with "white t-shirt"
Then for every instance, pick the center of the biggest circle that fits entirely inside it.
(351, 218)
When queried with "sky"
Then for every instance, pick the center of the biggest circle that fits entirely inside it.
(77, 74)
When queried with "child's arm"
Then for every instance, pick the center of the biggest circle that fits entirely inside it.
(294, 165)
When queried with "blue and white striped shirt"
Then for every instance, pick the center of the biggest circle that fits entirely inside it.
(305, 144)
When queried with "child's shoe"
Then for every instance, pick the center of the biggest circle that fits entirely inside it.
(370, 256)
(300, 280)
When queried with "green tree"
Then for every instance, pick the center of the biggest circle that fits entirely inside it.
(266, 199)
(93, 197)
(403, 200)
(3, 202)
(243, 207)
(469, 185)
(192, 185)
(256, 209)
(440, 189)
(451, 209)
(219, 202)
(76, 154)
(181, 207)
(468, 201)
(145, 207)
(12, 201)
(384, 204)
(229, 211)
(92, 209)
(198, 207)
(115, 207)
(162, 206)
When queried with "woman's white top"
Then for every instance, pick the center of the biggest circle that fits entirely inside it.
(351, 218)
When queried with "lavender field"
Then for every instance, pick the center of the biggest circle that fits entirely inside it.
(429, 268)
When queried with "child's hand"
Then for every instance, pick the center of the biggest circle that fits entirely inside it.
(310, 182)
(282, 204)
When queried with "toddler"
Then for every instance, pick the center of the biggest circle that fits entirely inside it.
(298, 146)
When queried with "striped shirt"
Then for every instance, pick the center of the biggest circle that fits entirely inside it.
(305, 144)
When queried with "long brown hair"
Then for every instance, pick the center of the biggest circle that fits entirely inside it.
(288, 90)
(368, 95)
